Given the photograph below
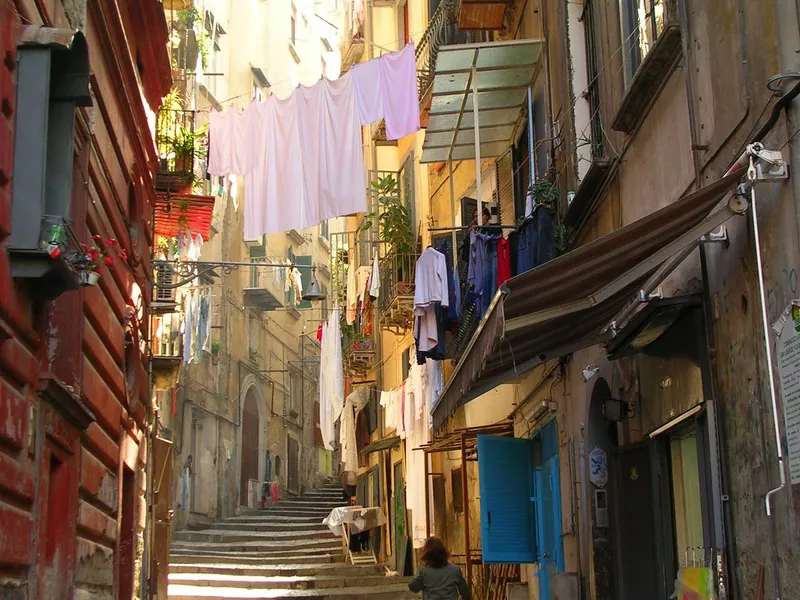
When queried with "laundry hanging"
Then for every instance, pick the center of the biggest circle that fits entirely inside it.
(331, 377)
(302, 155)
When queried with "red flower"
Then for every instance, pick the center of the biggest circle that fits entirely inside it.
(96, 238)
(108, 261)
(94, 254)
(84, 247)
(123, 254)
(111, 241)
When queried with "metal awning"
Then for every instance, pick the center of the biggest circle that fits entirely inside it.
(499, 75)
(384, 444)
(568, 303)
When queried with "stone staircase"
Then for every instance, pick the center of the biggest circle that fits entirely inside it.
(282, 552)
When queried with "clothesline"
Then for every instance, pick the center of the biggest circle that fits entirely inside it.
(285, 146)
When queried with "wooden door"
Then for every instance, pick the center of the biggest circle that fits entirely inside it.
(249, 448)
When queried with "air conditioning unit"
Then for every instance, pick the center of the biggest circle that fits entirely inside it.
(165, 275)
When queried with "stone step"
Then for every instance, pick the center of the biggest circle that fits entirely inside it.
(283, 569)
(268, 548)
(393, 591)
(313, 582)
(265, 517)
(285, 511)
(263, 526)
(229, 536)
(204, 557)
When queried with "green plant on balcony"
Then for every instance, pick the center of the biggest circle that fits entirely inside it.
(392, 217)
(184, 145)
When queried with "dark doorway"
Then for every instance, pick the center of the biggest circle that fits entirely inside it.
(603, 435)
(640, 535)
(127, 551)
(249, 447)
(293, 470)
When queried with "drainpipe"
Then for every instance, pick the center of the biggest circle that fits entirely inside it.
(773, 396)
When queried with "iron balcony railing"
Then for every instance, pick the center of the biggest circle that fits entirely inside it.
(441, 30)
(177, 141)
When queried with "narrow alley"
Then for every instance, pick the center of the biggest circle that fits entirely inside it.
(282, 552)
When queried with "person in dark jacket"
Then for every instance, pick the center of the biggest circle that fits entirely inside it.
(438, 579)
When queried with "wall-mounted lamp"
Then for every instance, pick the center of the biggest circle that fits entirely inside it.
(616, 410)
(313, 291)
(590, 371)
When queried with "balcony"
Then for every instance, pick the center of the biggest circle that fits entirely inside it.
(167, 342)
(358, 352)
(265, 285)
(441, 31)
(178, 143)
(53, 264)
(396, 302)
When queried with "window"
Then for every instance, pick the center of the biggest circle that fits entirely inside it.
(293, 26)
(520, 498)
(642, 22)
(51, 83)
(595, 137)
(296, 397)
(458, 490)
(324, 228)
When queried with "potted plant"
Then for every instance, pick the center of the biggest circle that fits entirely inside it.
(96, 256)
(394, 226)
(255, 355)
(215, 348)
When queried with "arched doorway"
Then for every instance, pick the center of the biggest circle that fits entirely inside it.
(250, 427)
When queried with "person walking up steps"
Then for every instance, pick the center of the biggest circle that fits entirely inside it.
(438, 579)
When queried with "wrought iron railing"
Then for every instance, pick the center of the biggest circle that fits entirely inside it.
(441, 30)
(487, 582)
(177, 141)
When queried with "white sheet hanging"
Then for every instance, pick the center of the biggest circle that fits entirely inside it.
(331, 378)
(302, 155)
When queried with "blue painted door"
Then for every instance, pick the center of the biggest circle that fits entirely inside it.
(505, 471)
(548, 517)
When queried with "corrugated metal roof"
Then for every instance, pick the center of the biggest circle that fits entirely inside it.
(568, 303)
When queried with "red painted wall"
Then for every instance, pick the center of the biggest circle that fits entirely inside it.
(62, 514)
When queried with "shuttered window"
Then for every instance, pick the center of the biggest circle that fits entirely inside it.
(505, 188)
(508, 524)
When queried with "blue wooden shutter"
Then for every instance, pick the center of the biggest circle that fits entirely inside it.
(508, 527)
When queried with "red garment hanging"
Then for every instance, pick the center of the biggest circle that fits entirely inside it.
(503, 261)
(319, 332)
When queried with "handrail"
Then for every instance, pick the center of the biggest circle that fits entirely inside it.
(437, 34)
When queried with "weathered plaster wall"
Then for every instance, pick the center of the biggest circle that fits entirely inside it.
(51, 468)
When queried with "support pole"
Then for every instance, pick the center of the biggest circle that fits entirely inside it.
(530, 136)
(453, 211)
(477, 129)
(427, 496)
(466, 505)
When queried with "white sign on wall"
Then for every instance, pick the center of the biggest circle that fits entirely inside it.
(788, 359)
(598, 467)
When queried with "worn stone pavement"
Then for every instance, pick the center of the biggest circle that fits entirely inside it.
(282, 552)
